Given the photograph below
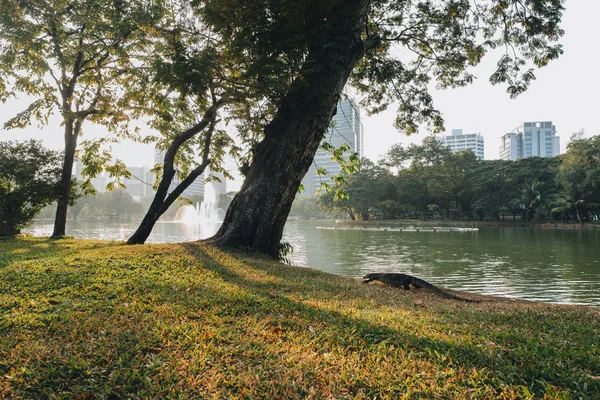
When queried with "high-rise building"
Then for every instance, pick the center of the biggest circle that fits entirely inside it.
(457, 141)
(77, 170)
(511, 147)
(214, 188)
(140, 184)
(196, 188)
(531, 139)
(346, 128)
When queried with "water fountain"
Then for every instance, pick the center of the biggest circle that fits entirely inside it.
(205, 212)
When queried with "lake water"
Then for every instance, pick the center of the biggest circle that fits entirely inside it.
(559, 266)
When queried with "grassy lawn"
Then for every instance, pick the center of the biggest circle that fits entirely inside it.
(93, 320)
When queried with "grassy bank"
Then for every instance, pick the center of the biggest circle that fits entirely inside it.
(87, 319)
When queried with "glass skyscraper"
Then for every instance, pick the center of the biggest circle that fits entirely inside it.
(345, 128)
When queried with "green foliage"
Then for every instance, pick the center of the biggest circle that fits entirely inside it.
(430, 152)
(177, 63)
(96, 158)
(71, 56)
(349, 164)
(76, 58)
(285, 251)
(29, 175)
(519, 187)
(389, 51)
(112, 205)
(307, 208)
(429, 173)
(423, 42)
(362, 190)
(265, 48)
(409, 45)
(580, 165)
(432, 182)
(579, 179)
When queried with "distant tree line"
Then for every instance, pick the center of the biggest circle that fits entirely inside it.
(113, 205)
(432, 182)
(309, 208)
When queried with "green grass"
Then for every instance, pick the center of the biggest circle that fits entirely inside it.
(92, 320)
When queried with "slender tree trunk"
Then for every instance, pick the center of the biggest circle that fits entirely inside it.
(351, 214)
(365, 214)
(162, 199)
(161, 203)
(154, 212)
(72, 130)
(579, 216)
(256, 217)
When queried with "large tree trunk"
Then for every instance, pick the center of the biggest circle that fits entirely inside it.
(256, 217)
(72, 130)
(8, 229)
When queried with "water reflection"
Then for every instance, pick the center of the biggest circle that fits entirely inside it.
(561, 266)
(163, 232)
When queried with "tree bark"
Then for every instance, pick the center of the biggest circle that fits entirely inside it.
(72, 130)
(579, 216)
(256, 217)
(8, 229)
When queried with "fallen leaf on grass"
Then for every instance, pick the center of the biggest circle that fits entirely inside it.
(154, 349)
(53, 302)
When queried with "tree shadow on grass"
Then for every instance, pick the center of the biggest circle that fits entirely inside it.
(23, 249)
(288, 289)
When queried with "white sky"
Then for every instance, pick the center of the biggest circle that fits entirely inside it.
(565, 92)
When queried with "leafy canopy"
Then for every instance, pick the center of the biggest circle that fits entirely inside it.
(261, 48)
(29, 174)
(75, 57)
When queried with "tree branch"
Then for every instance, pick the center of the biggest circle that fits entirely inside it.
(207, 118)
(199, 170)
